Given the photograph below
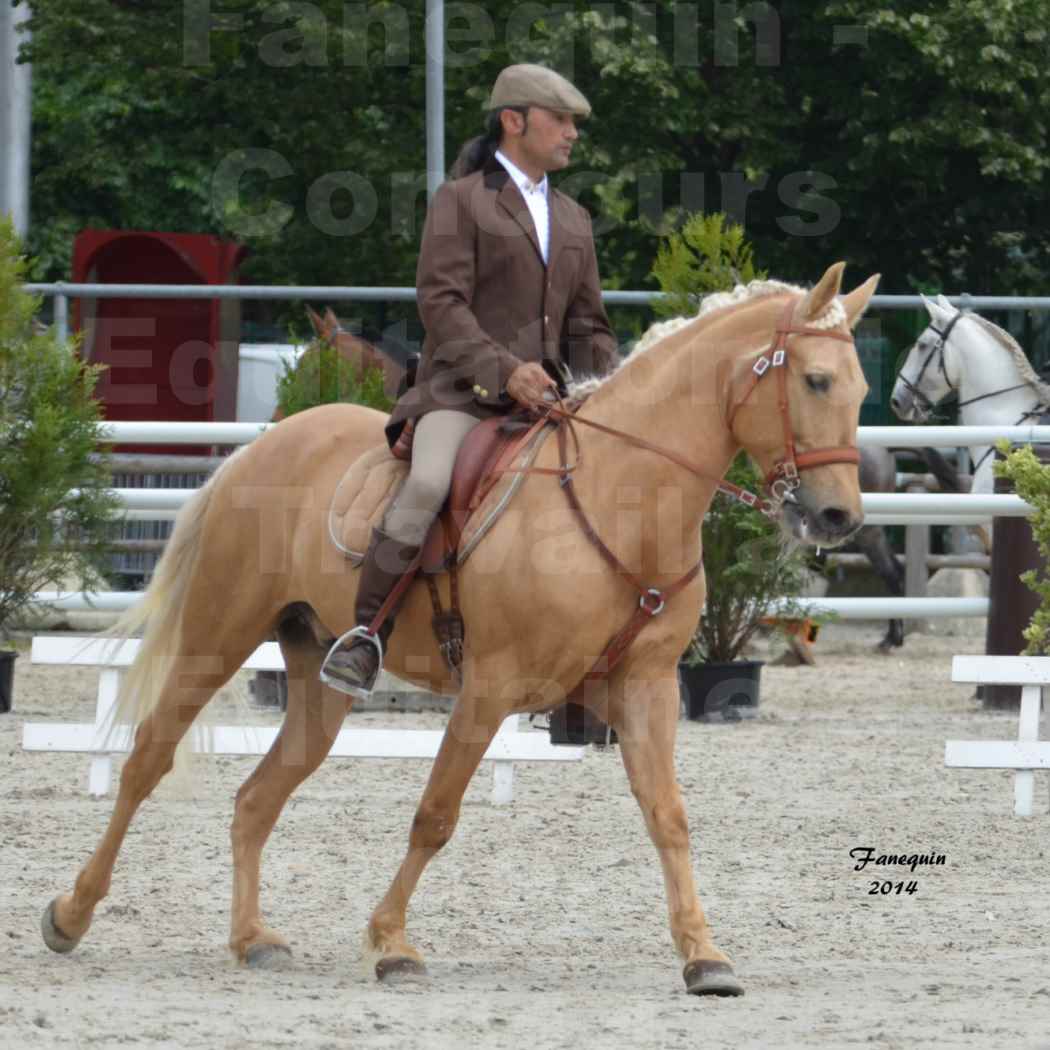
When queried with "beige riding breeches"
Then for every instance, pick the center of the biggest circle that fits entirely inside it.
(436, 442)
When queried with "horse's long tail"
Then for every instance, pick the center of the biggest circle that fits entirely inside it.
(160, 611)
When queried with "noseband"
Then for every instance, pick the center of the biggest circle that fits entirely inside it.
(783, 479)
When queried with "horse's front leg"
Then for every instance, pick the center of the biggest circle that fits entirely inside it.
(645, 716)
(467, 737)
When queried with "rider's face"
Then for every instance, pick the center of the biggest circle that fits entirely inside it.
(543, 142)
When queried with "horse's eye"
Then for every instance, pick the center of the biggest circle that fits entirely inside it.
(818, 383)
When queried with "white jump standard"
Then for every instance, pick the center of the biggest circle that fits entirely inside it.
(1027, 753)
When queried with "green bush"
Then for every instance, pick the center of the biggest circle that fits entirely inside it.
(708, 254)
(56, 510)
(322, 376)
(1031, 481)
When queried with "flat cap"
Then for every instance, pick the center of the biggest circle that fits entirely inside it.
(531, 85)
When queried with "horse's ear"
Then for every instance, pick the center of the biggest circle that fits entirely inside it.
(823, 293)
(856, 302)
(315, 321)
(940, 312)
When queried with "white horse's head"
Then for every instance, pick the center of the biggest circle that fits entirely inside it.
(931, 370)
(966, 353)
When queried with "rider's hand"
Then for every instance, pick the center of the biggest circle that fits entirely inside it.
(529, 383)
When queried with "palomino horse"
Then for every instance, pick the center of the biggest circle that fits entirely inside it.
(965, 354)
(251, 555)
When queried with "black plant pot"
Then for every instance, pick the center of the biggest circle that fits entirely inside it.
(7, 679)
(270, 689)
(576, 725)
(720, 692)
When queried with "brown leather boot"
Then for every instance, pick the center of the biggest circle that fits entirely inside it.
(353, 663)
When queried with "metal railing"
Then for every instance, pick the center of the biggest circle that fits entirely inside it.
(62, 292)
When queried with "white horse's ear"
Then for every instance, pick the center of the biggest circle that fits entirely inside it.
(823, 293)
(856, 302)
(940, 312)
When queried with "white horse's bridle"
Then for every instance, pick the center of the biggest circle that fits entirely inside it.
(922, 402)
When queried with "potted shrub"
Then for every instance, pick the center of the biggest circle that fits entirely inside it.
(56, 508)
(748, 566)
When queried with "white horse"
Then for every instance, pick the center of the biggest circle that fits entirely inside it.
(964, 353)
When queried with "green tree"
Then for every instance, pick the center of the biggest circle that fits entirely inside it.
(55, 506)
(909, 137)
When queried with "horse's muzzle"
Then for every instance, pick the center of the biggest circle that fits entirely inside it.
(826, 526)
(907, 408)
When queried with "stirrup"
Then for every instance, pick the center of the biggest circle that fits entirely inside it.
(358, 692)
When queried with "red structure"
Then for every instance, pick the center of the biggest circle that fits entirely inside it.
(168, 359)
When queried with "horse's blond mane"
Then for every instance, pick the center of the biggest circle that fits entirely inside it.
(741, 294)
(1024, 366)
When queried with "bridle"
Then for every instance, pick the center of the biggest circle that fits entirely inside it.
(925, 404)
(783, 479)
(912, 386)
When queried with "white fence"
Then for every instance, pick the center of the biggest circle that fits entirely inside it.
(101, 739)
(880, 508)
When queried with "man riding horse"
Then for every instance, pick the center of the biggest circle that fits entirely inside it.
(508, 293)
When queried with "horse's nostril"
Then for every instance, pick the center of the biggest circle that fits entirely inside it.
(835, 521)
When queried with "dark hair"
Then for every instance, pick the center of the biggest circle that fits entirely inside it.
(477, 152)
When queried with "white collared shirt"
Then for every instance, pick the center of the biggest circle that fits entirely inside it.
(535, 194)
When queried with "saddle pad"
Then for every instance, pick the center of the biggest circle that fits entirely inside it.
(365, 490)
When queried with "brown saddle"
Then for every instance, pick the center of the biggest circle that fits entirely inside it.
(490, 462)
(488, 451)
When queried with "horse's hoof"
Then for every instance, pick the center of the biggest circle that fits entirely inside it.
(706, 977)
(54, 938)
(268, 957)
(399, 966)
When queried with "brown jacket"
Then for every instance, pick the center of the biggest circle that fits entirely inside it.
(488, 303)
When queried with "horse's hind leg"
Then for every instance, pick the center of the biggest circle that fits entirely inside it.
(311, 724)
(199, 670)
(645, 719)
(470, 730)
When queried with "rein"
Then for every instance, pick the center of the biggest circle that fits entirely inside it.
(781, 481)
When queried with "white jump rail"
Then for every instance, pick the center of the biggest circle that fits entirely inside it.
(111, 657)
(1027, 753)
(846, 608)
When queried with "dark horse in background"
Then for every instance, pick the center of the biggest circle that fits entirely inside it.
(878, 473)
